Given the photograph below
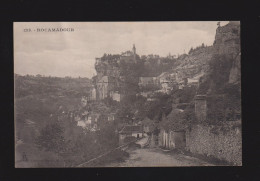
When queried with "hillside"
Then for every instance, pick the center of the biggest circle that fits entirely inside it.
(36, 98)
(38, 85)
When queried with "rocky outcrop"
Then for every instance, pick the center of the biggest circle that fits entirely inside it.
(107, 69)
(227, 39)
(227, 42)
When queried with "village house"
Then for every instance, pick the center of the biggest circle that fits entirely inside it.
(193, 82)
(163, 77)
(173, 134)
(145, 81)
(145, 94)
(93, 94)
(150, 99)
(84, 101)
(164, 80)
(167, 81)
(116, 96)
(183, 83)
(87, 121)
(82, 123)
(111, 117)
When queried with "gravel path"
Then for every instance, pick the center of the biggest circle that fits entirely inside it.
(157, 157)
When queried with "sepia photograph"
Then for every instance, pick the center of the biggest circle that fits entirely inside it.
(127, 94)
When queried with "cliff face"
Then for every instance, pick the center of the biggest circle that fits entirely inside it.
(227, 39)
(106, 69)
(123, 72)
(227, 42)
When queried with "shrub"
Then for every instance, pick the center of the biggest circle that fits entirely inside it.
(51, 138)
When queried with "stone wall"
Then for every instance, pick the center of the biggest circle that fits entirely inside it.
(223, 142)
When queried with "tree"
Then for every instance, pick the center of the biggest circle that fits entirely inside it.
(220, 66)
(175, 120)
(143, 57)
(162, 106)
(191, 50)
(51, 138)
(189, 114)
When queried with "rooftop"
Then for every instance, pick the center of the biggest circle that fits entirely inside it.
(107, 79)
(131, 129)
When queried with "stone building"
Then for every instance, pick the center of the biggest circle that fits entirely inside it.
(145, 81)
(111, 117)
(172, 134)
(116, 96)
(166, 81)
(130, 131)
(172, 139)
(129, 56)
(93, 94)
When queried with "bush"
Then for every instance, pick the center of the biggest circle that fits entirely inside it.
(51, 138)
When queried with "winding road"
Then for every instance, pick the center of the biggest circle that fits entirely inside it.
(156, 157)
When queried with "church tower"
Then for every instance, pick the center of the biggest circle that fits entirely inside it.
(134, 52)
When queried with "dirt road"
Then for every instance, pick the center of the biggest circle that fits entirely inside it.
(147, 157)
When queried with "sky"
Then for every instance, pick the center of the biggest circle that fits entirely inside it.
(73, 53)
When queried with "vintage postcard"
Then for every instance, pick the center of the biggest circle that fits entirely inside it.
(127, 94)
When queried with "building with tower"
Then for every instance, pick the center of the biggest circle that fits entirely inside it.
(129, 56)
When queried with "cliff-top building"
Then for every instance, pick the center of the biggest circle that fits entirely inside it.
(129, 56)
